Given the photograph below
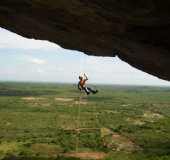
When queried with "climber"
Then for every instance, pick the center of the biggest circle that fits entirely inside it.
(81, 85)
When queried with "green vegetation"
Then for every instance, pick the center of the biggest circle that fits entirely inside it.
(56, 121)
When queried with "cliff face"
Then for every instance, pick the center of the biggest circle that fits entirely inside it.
(138, 31)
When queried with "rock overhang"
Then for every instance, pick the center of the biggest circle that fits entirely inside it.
(137, 31)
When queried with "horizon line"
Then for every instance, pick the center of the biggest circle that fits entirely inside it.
(59, 82)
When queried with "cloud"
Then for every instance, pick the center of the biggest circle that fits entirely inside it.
(40, 70)
(38, 61)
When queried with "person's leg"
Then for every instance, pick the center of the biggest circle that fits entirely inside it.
(86, 90)
(92, 90)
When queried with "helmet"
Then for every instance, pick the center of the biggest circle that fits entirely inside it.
(80, 77)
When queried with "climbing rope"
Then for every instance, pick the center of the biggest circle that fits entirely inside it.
(78, 109)
(78, 123)
(80, 97)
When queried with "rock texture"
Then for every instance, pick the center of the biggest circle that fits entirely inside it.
(138, 31)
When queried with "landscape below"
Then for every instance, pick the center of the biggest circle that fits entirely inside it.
(56, 121)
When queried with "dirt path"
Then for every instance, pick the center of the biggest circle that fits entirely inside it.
(152, 117)
(64, 99)
(32, 98)
(121, 143)
(86, 155)
(81, 102)
(82, 129)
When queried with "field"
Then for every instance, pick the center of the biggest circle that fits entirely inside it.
(56, 121)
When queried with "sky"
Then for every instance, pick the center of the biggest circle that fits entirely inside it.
(32, 60)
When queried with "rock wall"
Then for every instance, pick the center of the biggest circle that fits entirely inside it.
(138, 31)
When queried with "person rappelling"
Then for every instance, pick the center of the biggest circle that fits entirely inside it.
(82, 85)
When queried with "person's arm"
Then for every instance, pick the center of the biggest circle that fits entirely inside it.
(85, 76)
(78, 85)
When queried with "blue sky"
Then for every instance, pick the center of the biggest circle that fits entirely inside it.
(24, 59)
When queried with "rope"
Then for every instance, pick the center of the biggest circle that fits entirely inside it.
(82, 67)
(78, 124)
